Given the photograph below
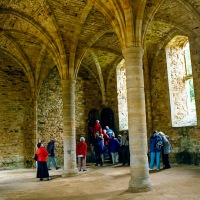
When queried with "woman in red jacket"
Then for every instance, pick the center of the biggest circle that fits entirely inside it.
(42, 170)
(81, 150)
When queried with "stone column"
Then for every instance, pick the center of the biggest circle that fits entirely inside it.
(36, 137)
(140, 181)
(69, 142)
(35, 124)
(147, 85)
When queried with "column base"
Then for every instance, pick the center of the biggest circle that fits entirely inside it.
(69, 173)
(140, 185)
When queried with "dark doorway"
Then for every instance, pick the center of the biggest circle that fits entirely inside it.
(107, 118)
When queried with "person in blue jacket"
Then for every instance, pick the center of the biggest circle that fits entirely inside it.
(114, 146)
(156, 146)
(98, 149)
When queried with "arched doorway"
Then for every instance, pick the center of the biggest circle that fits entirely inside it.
(107, 118)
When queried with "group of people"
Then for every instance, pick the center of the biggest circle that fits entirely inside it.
(159, 145)
(106, 144)
(45, 156)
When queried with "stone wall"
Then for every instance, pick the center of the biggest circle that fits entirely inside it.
(16, 119)
(49, 112)
(87, 97)
(183, 139)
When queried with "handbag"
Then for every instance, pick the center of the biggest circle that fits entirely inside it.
(35, 157)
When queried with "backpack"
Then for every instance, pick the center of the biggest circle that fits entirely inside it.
(159, 143)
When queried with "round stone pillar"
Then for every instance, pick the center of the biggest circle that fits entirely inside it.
(68, 97)
(140, 181)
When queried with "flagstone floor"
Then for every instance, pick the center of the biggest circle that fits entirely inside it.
(110, 182)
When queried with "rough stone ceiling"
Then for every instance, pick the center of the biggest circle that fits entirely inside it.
(172, 17)
(34, 32)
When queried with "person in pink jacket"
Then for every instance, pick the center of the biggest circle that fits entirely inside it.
(42, 170)
(81, 150)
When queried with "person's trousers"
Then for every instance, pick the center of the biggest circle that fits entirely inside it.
(166, 164)
(126, 155)
(99, 158)
(106, 153)
(115, 157)
(154, 156)
(82, 163)
(52, 159)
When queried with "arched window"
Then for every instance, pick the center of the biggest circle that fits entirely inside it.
(181, 90)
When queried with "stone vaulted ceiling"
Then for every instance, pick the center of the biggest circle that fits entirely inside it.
(36, 35)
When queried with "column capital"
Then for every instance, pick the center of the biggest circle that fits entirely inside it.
(133, 50)
(67, 81)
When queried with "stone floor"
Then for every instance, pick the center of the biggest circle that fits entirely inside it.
(181, 182)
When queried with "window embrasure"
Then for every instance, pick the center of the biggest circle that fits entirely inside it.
(181, 90)
(122, 96)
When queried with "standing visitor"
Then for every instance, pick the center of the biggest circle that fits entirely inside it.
(81, 150)
(109, 131)
(167, 149)
(114, 146)
(97, 127)
(98, 149)
(42, 170)
(156, 145)
(125, 148)
(106, 139)
(51, 157)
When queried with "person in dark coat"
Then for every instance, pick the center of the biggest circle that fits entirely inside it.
(167, 149)
(98, 149)
(125, 148)
(51, 157)
(42, 170)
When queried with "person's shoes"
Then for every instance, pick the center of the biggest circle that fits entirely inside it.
(96, 164)
(57, 168)
(80, 170)
(49, 169)
(101, 164)
(48, 179)
(41, 179)
(150, 169)
(85, 170)
(166, 167)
